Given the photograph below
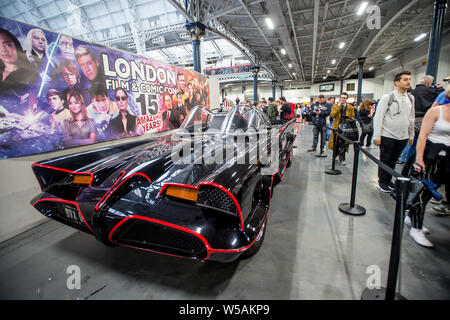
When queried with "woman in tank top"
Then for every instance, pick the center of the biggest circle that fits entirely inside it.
(433, 156)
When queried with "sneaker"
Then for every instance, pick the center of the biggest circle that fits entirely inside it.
(443, 210)
(419, 237)
(342, 162)
(408, 223)
(311, 149)
(384, 188)
(391, 186)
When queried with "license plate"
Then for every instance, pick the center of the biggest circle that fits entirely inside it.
(72, 214)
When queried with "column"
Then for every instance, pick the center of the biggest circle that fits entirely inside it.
(274, 83)
(361, 61)
(255, 71)
(434, 47)
(196, 31)
(342, 86)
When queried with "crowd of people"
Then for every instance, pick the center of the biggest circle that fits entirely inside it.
(411, 127)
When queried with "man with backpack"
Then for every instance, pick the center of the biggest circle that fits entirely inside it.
(393, 126)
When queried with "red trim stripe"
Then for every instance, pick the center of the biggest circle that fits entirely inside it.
(65, 170)
(209, 183)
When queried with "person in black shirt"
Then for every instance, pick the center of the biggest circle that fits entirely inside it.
(124, 125)
(285, 114)
(319, 113)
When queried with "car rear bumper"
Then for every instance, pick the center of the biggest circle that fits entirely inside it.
(186, 231)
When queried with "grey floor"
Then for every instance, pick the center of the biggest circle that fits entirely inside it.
(311, 250)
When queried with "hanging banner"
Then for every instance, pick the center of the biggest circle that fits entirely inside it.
(228, 70)
(58, 92)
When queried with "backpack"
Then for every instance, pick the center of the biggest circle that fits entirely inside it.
(348, 127)
(392, 98)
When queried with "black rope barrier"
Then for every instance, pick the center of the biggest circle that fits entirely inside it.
(402, 187)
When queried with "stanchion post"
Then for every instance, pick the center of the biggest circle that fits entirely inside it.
(402, 185)
(333, 170)
(352, 208)
(402, 188)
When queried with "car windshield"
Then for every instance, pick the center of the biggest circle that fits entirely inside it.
(242, 118)
(201, 119)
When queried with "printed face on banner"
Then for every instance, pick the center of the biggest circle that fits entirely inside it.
(38, 41)
(8, 52)
(43, 70)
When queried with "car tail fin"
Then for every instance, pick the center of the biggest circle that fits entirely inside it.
(63, 183)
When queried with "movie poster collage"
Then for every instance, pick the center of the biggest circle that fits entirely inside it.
(55, 93)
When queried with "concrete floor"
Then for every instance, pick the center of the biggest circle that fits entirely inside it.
(311, 250)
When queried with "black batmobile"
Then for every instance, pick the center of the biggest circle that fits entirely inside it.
(202, 192)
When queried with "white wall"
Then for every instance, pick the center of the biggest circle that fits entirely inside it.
(415, 61)
(370, 86)
(215, 97)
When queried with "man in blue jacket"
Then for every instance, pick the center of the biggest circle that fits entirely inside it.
(319, 113)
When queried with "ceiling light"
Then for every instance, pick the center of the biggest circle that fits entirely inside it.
(283, 51)
(328, 71)
(269, 23)
(341, 45)
(324, 78)
(362, 8)
(388, 57)
(290, 65)
(293, 74)
(420, 37)
(371, 68)
(333, 62)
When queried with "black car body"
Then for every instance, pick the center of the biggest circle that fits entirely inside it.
(137, 195)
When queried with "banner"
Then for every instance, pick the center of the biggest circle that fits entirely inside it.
(58, 92)
(228, 70)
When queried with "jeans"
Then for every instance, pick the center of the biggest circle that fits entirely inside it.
(390, 150)
(404, 155)
(369, 138)
(341, 148)
(316, 131)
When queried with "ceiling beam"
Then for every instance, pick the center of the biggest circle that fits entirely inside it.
(227, 11)
(393, 14)
(316, 23)
(299, 56)
(262, 33)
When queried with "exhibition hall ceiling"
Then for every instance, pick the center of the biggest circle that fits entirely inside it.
(303, 40)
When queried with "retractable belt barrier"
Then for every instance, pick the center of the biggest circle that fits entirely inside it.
(402, 187)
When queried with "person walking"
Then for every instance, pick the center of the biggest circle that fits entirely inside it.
(393, 126)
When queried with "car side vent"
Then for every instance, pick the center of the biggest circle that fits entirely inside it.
(215, 198)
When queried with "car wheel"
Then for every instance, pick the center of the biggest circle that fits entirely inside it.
(257, 245)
